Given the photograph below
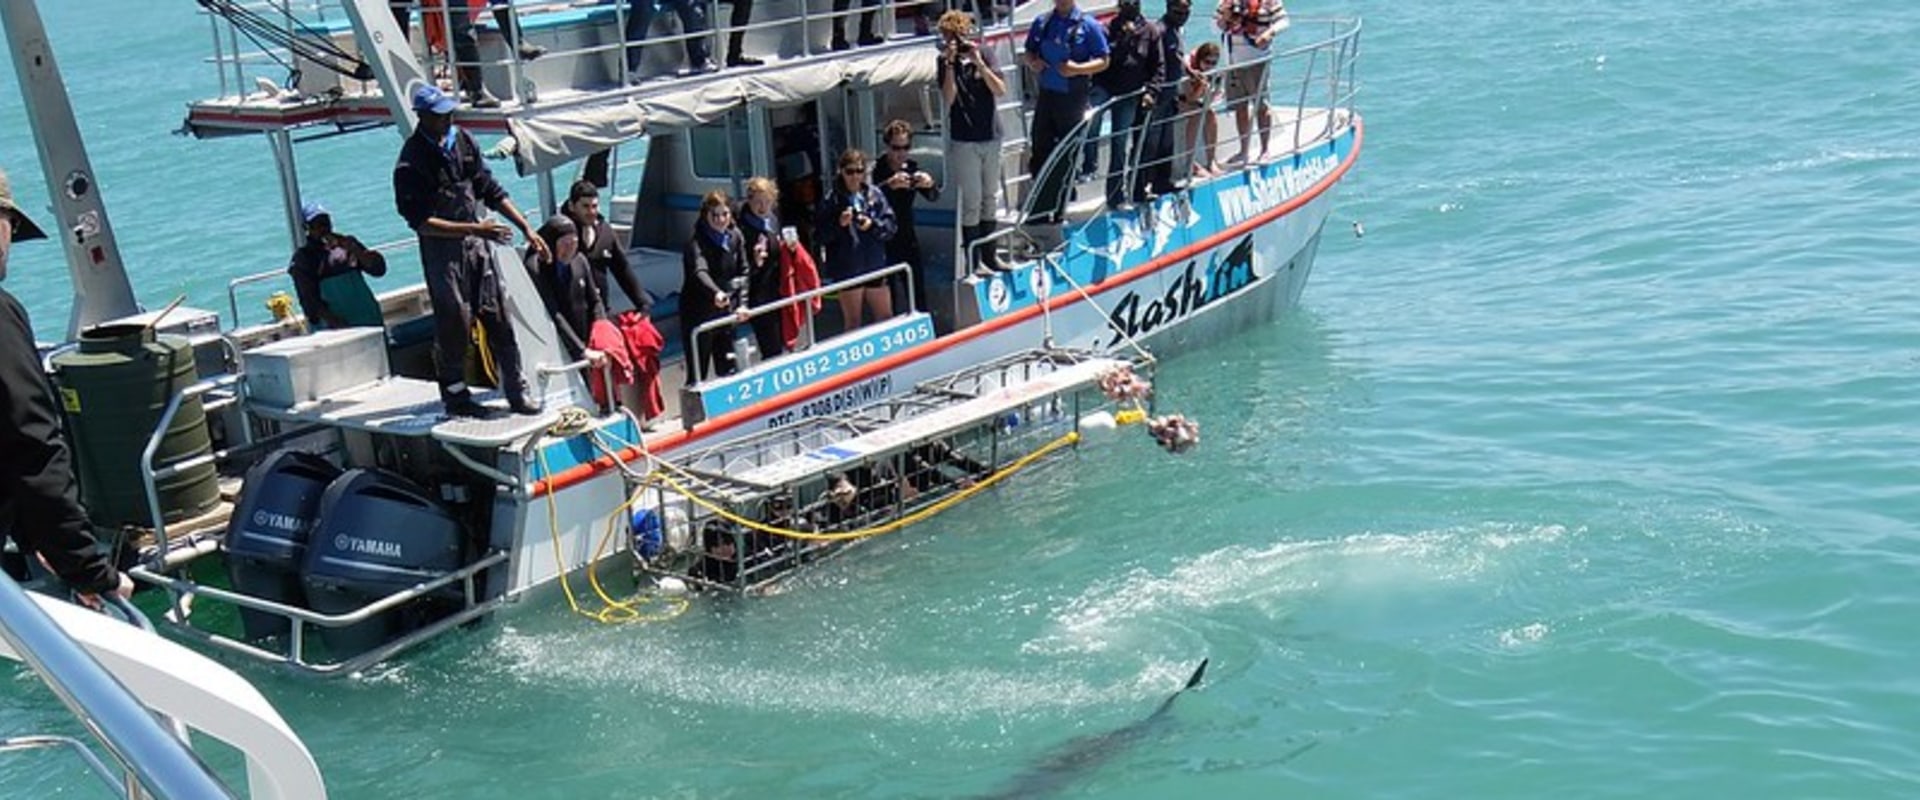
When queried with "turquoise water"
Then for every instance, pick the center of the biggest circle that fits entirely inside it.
(1588, 471)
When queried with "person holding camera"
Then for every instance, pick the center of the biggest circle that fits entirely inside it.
(853, 223)
(329, 275)
(902, 180)
(1248, 27)
(972, 89)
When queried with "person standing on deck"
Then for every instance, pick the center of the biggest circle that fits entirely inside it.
(853, 224)
(972, 88)
(759, 225)
(693, 25)
(466, 46)
(1248, 27)
(39, 498)
(440, 185)
(741, 17)
(1135, 46)
(901, 179)
(1156, 147)
(867, 19)
(1066, 47)
(602, 247)
(329, 275)
(713, 259)
(607, 262)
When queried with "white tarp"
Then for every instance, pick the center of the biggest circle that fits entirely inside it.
(548, 140)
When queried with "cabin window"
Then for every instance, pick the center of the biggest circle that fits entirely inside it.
(712, 156)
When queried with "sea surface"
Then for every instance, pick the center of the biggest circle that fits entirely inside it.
(1588, 471)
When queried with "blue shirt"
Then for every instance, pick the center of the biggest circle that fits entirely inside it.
(1058, 40)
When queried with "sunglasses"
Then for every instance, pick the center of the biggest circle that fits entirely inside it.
(900, 148)
(853, 170)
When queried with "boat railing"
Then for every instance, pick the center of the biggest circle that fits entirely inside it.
(168, 555)
(296, 655)
(746, 315)
(1312, 86)
(151, 473)
(280, 274)
(322, 28)
(153, 761)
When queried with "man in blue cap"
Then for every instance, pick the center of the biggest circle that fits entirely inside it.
(1065, 48)
(329, 275)
(440, 184)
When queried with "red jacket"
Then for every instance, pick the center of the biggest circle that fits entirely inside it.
(643, 347)
(797, 274)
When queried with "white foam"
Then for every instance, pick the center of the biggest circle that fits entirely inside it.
(1271, 580)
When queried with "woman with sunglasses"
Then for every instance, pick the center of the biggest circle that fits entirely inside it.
(853, 223)
(714, 257)
(902, 180)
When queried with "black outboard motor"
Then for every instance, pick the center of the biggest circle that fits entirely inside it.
(267, 537)
(378, 534)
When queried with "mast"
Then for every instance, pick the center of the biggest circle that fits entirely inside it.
(385, 48)
(100, 288)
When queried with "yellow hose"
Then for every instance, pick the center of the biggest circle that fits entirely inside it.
(613, 611)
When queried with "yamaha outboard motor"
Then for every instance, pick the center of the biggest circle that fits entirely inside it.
(267, 537)
(378, 534)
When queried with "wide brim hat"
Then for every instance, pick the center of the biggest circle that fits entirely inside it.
(23, 225)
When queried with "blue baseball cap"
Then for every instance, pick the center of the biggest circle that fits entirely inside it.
(311, 210)
(429, 99)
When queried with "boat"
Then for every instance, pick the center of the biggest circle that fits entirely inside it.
(143, 699)
(369, 522)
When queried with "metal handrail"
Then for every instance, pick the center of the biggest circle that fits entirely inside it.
(747, 314)
(48, 741)
(150, 475)
(298, 618)
(154, 761)
(1339, 46)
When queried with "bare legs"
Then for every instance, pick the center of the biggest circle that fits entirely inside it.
(854, 302)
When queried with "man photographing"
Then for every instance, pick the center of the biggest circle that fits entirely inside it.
(39, 498)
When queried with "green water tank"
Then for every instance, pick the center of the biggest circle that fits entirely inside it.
(114, 387)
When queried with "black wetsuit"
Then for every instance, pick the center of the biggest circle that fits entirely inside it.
(608, 255)
(763, 281)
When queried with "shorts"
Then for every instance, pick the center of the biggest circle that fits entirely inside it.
(1245, 82)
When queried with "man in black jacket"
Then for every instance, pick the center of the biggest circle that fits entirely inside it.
(1157, 173)
(442, 189)
(39, 499)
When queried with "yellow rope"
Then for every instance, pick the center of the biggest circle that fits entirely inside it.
(613, 611)
(624, 611)
(1069, 438)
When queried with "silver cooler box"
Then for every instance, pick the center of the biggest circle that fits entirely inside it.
(306, 368)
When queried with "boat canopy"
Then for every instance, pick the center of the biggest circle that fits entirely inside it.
(554, 137)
